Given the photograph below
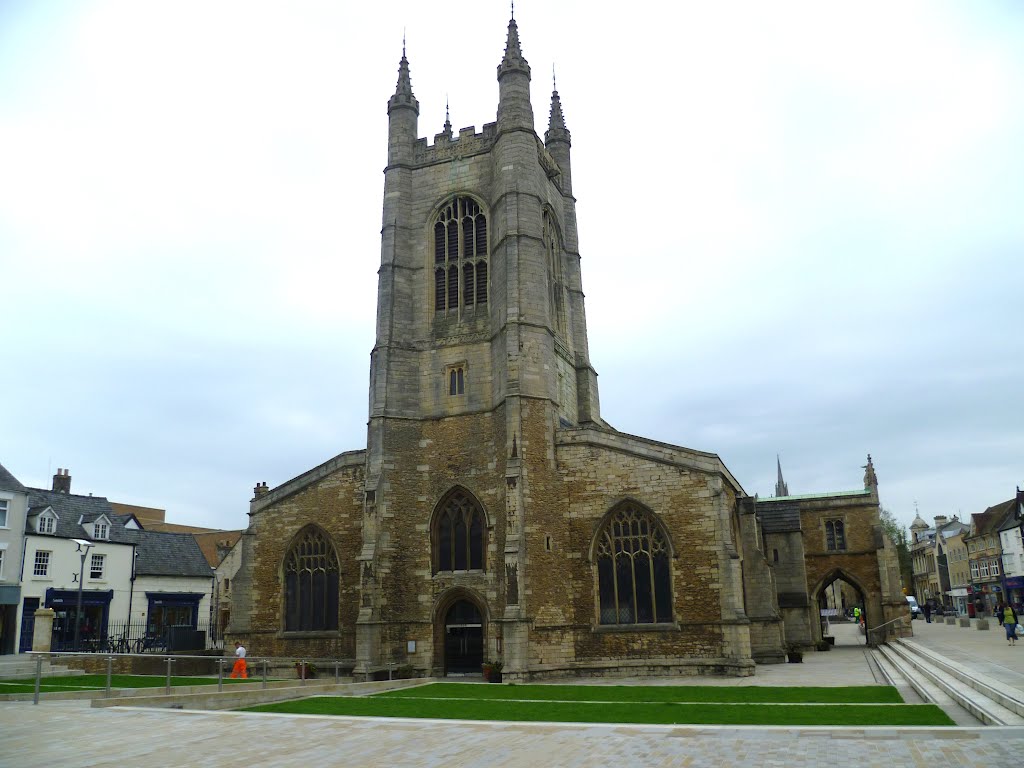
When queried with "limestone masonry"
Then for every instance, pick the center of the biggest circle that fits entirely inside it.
(494, 515)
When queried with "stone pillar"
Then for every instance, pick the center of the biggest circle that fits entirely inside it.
(42, 632)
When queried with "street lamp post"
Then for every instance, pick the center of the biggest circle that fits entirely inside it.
(83, 547)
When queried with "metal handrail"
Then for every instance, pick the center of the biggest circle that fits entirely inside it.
(893, 621)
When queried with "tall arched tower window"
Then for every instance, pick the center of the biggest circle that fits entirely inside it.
(633, 568)
(553, 252)
(459, 534)
(460, 256)
(311, 583)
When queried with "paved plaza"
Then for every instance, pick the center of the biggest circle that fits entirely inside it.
(73, 734)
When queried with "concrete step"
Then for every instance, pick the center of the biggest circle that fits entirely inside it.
(888, 674)
(933, 676)
(21, 666)
(929, 691)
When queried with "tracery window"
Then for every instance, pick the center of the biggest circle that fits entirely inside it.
(553, 250)
(835, 535)
(311, 583)
(459, 534)
(460, 256)
(633, 573)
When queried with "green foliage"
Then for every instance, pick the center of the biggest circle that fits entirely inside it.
(897, 534)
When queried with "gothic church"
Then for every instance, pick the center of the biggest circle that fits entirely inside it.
(494, 514)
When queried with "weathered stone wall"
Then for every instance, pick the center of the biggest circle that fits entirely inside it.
(330, 497)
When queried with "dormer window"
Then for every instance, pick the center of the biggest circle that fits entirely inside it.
(46, 523)
(100, 529)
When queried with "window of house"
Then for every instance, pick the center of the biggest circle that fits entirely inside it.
(96, 566)
(459, 534)
(311, 583)
(974, 569)
(835, 536)
(3, 513)
(99, 530)
(456, 380)
(984, 568)
(994, 568)
(460, 256)
(41, 567)
(633, 573)
(45, 524)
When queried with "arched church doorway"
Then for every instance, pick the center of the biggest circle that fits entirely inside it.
(463, 638)
(839, 602)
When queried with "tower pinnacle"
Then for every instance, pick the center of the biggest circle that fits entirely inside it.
(403, 90)
(513, 59)
(556, 122)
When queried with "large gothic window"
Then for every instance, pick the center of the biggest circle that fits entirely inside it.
(633, 573)
(556, 290)
(459, 534)
(460, 256)
(311, 583)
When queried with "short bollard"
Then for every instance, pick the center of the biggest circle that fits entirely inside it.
(169, 662)
(220, 674)
(110, 672)
(39, 675)
(264, 673)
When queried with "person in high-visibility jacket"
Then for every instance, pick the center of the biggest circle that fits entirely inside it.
(239, 670)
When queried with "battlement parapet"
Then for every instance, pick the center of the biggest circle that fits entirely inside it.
(447, 147)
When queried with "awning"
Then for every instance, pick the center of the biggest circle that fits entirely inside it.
(961, 592)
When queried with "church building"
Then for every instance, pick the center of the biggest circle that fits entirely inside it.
(494, 514)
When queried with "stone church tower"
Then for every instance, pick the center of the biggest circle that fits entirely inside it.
(494, 514)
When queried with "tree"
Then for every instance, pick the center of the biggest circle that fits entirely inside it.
(897, 534)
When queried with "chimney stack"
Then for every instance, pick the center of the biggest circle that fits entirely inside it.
(260, 489)
(62, 481)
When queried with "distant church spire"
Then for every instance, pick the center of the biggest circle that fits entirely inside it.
(781, 489)
(447, 130)
(870, 479)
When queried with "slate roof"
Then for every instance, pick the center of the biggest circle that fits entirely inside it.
(169, 554)
(72, 508)
(779, 516)
(9, 482)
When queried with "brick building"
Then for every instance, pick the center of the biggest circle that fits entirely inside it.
(494, 512)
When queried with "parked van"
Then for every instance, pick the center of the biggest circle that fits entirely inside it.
(915, 609)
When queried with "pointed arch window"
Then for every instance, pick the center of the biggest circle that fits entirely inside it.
(633, 569)
(311, 583)
(460, 256)
(556, 286)
(835, 535)
(459, 534)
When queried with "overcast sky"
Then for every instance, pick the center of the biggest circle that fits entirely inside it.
(801, 228)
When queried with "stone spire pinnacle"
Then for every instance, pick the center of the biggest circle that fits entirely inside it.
(447, 130)
(556, 122)
(781, 489)
(513, 59)
(870, 479)
(403, 90)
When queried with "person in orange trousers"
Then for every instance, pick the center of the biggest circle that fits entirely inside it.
(239, 670)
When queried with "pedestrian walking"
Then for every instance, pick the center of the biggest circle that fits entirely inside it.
(239, 670)
(928, 611)
(1008, 618)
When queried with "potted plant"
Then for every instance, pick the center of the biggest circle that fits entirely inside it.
(305, 670)
(492, 671)
(794, 654)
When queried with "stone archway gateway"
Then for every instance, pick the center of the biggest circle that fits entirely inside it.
(463, 638)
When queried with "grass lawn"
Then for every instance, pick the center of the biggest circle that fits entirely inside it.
(92, 682)
(704, 705)
(751, 694)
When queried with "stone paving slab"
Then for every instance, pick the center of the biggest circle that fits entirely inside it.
(71, 734)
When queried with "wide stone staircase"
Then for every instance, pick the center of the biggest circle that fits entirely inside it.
(968, 696)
